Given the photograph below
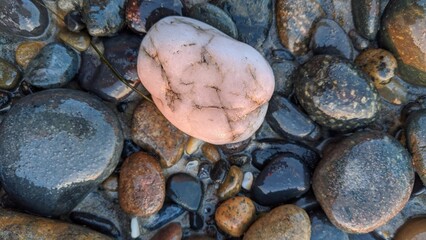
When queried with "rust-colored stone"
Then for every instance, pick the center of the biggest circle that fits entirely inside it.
(141, 185)
(173, 231)
(235, 215)
(232, 184)
(210, 152)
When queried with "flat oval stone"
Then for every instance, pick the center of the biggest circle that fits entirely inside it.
(103, 17)
(235, 215)
(141, 185)
(283, 179)
(366, 14)
(336, 94)
(234, 80)
(283, 222)
(294, 22)
(142, 14)
(153, 132)
(329, 38)
(416, 140)
(26, 51)
(78, 41)
(379, 64)
(54, 66)
(215, 17)
(14, 225)
(57, 145)
(361, 190)
(402, 33)
(24, 18)
(185, 190)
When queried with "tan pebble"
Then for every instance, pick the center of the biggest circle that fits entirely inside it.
(232, 184)
(210, 152)
(235, 215)
(413, 229)
(79, 41)
(192, 145)
(288, 222)
(27, 51)
(379, 64)
(172, 231)
(141, 186)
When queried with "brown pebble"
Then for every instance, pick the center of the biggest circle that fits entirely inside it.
(232, 184)
(27, 51)
(379, 64)
(235, 215)
(19, 226)
(288, 222)
(172, 231)
(141, 186)
(151, 130)
(210, 152)
(79, 41)
(413, 229)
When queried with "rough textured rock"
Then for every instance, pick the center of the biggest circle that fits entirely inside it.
(24, 18)
(361, 190)
(366, 14)
(14, 225)
(152, 131)
(295, 20)
(141, 185)
(60, 164)
(207, 84)
(103, 17)
(329, 38)
(284, 222)
(336, 94)
(235, 215)
(54, 66)
(416, 141)
(402, 33)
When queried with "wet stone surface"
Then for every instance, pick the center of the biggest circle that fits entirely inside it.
(60, 164)
(185, 190)
(361, 190)
(103, 17)
(366, 14)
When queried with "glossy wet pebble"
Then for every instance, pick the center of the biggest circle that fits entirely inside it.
(219, 171)
(62, 162)
(366, 14)
(78, 41)
(215, 17)
(9, 75)
(176, 68)
(336, 94)
(329, 38)
(73, 21)
(27, 51)
(99, 224)
(294, 22)
(283, 222)
(142, 14)
(210, 152)
(235, 215)
(167, 213)
(173, 231)
(232, 184)
(14, 225)
(185, 190)
(416, 140)
(284, 118)
(103, 17)
(361, 190)
(413, 229)
(402, 33)
(121, 51)
(284, 72)
(54, 66)
(25, 18)
(152, 131)
(141, 185)
(284, 178)
(252, 18)
(379, 64)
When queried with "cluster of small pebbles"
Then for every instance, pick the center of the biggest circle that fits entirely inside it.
(261, 119)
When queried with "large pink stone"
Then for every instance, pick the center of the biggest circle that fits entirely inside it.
(207, 84)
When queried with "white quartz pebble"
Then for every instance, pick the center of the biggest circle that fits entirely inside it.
(207, 84)
(247, 181)
(134, 227)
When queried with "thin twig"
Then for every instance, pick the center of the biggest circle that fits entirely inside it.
(102, 57)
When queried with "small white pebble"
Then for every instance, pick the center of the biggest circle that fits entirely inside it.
(134, 227)
(247, 181)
